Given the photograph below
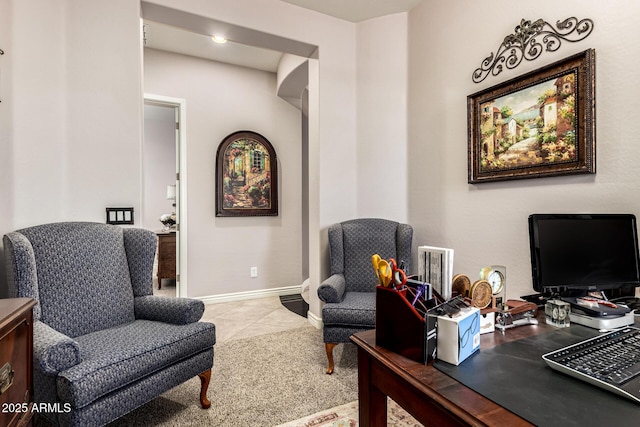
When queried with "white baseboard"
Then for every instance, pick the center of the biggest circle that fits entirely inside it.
(314, 320)
(239, 296)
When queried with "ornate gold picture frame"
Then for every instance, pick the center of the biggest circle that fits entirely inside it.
(536, 125)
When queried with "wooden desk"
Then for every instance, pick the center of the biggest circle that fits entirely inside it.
(166, 256)
(431, 396)
(16, 354)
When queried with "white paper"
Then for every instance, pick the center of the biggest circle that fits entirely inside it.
(435, 266)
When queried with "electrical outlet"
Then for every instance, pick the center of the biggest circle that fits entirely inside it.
(254, 271)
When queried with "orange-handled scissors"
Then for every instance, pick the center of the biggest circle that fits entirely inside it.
(398, 276)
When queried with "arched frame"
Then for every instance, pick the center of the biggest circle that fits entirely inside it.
(246, 176)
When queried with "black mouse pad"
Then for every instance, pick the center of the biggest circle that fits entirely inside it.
(514, 376)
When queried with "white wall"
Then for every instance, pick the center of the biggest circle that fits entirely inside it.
(6, 130)
(73, 110)
(222, 99)
(70, 112)
(382, 117)
(487, 223)
(6, 117)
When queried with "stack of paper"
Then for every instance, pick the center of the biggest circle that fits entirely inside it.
(435, 266)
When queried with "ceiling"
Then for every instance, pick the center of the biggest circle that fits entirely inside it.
(170, 38)
(357, 10)
(178, 40)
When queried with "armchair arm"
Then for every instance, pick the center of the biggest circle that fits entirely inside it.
(332, 289)
(179, 311)
(53, 351)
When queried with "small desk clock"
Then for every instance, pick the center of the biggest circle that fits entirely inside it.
(496, 275)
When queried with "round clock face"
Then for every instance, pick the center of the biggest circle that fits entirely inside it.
(481, 294)
(496, 279)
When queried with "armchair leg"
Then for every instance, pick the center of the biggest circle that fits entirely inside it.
(205, 377)
(329, 349)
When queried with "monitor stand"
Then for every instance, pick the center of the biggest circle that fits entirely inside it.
(603, 323)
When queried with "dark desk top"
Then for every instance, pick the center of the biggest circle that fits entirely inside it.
(514, 376)
(509, 365)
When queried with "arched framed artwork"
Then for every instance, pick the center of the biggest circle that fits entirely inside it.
(246, 176)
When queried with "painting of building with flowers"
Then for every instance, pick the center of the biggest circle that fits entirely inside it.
(245, 172)
(537, 125)
(530, 127)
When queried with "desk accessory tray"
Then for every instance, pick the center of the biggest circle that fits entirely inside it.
(399, 326)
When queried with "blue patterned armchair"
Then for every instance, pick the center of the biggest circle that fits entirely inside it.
(349, 293)
(103, 344)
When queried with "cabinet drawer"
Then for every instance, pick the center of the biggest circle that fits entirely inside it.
(169, 238)
(168, 266)
(167, 250)
(166, 256)
(16, 354)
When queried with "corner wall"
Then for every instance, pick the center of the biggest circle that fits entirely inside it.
(487, 223)
(382, 61)
(72, 110)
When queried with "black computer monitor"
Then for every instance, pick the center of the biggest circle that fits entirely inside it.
(580, 253)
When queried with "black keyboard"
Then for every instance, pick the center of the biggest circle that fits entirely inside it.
(610, 361)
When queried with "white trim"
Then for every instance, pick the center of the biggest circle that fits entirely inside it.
(314, 320)
(239, 296)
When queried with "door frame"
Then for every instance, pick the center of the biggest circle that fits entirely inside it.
(180, 108)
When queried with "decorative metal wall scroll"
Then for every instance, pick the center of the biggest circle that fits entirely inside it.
(524, 43)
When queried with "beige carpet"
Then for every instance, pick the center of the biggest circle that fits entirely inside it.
(264, 381)
(260, 381)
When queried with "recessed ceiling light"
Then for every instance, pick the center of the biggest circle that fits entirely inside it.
(219, 39)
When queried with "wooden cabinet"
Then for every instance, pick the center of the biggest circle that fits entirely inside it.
(16, 361)
(166, 256)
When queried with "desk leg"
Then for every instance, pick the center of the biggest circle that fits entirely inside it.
(372, 403)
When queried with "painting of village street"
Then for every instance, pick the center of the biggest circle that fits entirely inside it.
(245, 170)
(531, 127)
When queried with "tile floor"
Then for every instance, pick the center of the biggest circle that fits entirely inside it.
(246, 318)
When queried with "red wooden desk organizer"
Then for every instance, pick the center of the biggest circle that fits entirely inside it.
(399, 326)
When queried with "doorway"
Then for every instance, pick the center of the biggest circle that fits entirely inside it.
(164, 194)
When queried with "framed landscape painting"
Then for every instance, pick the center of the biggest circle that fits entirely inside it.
(246, 176)
(539, 124)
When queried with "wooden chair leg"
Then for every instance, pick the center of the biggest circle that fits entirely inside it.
(205, 377)
(329, 349)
